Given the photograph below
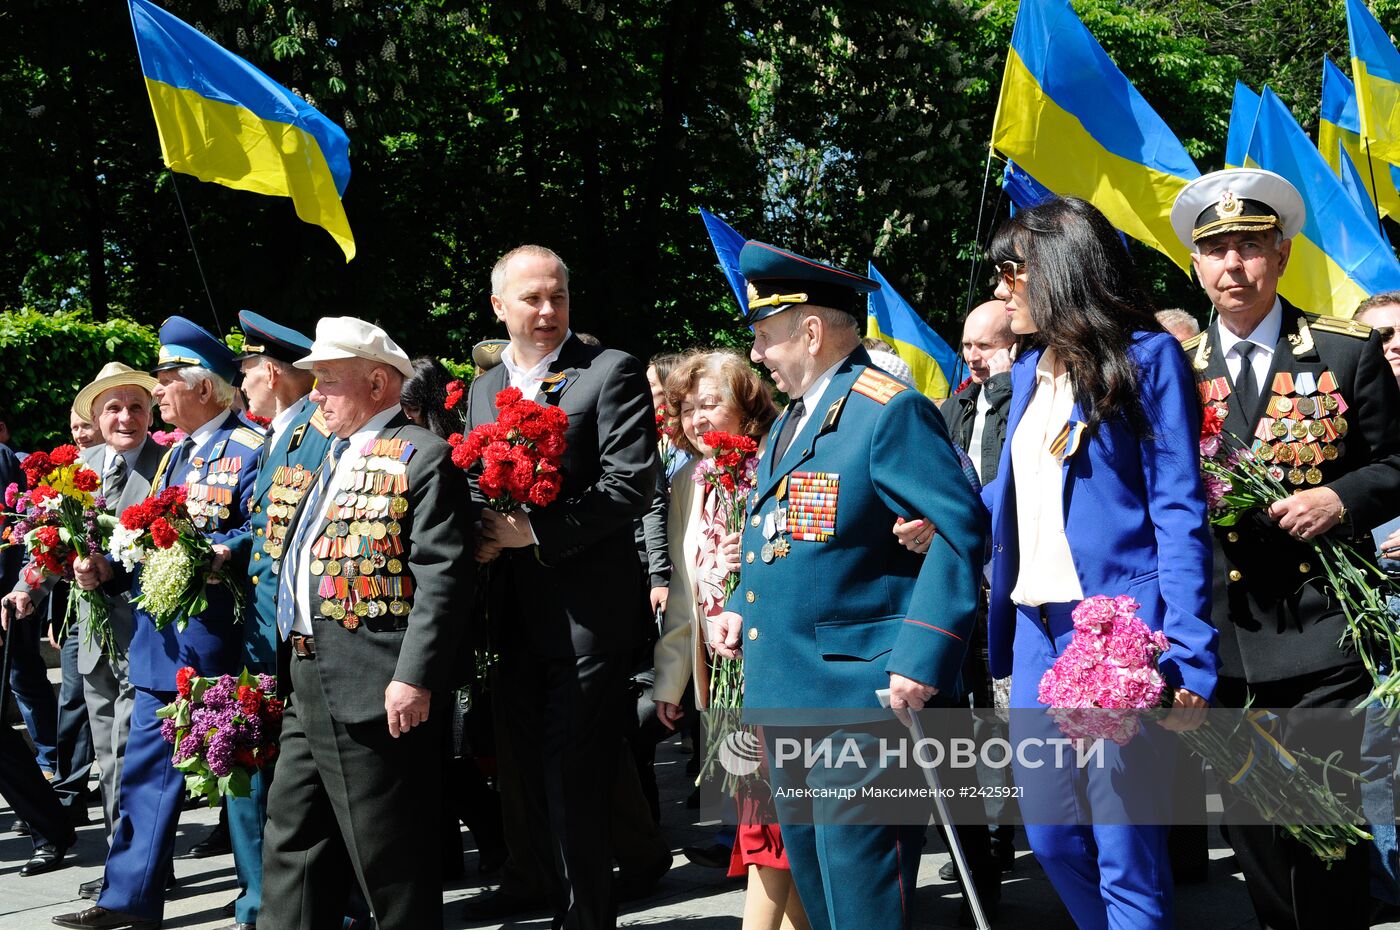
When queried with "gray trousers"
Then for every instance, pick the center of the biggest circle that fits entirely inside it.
(110, 697)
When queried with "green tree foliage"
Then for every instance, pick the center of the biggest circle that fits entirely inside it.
(49, 357)
(849, 130)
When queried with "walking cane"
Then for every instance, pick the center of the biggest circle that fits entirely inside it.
(9, 632)
(950, 833)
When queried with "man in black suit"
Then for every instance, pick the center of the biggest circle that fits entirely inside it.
(565, 580)
(370, 593)
(1313, 398)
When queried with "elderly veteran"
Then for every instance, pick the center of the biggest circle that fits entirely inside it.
(118, 401)
(375, 569)
(217, 463)
(1311, 396)
(830, 607)
(297, 440)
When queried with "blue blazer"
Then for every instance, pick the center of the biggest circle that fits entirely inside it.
(212, 642)
(1135, 516)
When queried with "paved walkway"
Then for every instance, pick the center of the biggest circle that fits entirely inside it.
(688, 898)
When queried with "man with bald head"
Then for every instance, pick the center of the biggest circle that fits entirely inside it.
(976, 414)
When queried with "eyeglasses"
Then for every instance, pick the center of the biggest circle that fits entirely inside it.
(1386, 333)
(1007, 273)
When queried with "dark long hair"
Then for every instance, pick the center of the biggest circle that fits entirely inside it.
(1086, 299)
(427, 390)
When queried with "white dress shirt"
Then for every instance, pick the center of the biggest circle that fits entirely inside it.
(1047, 574)
(979, 427)
(1264, 336)
(812, 397)
(348, 461)
(285, 418)
(528, 379)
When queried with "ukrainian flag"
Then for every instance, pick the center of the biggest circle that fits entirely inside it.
(222, 120)
(1375, 66)
(1339, 258)
(1242, 113)
(1339, 130)
(933, 361)
(1073, 121)
(1357, 190)
(728, 244)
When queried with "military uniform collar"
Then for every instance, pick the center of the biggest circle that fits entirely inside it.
(201, 434)
(811, 398)
(287, 417)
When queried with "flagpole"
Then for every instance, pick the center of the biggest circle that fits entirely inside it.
(977, 245)
(175, 186)
(1375, 198)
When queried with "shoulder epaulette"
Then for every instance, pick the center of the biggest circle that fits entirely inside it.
(1336, 324)
(1194, 341)
(318, 423)
(878, 386)
(248, 438)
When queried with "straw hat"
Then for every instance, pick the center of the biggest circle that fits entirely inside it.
(113, 374)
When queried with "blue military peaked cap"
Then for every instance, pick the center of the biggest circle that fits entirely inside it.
(185, 344)
(261, 336)
(778, 279)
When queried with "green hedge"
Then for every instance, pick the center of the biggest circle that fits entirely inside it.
(49, 357)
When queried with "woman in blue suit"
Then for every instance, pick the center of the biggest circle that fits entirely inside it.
(1098, 492)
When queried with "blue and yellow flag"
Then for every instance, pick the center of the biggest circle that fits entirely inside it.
(1242, 113)
(1025, 191)
(727, 245)
(1357, 190)
(1071, 119)
(1339, 130)
(1339, 258)
(222, 120)
(933, 361)
(1375, 67)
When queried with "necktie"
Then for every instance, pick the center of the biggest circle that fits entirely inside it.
(175, 465)
(1246, 388)
(287, 581)
(788, 430)
(114, 480)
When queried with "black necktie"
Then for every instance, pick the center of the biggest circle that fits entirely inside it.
(174, 476)
(114, 481)
(1246, 389)
(789, 429)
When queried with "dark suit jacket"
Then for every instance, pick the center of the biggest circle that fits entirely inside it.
(138, 488)
(1270, 604)
(960, 413)
(576, 593)
(356, 665)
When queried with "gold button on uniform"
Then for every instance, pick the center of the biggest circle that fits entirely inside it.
(753, 633)
(1232, 536)
(255, 579)
(749, 558)
(257, 556)
(750, 597)
(257, 509)
(1305, 567)
(1235, 575)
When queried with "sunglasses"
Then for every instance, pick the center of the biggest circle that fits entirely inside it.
(1386, 333)
(1006, 273)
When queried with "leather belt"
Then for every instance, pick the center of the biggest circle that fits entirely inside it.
(304, 646)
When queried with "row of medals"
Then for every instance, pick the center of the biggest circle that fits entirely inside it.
(1302, 461)
(199, 496)
(374, 501)
(774, 526)
(289, 484)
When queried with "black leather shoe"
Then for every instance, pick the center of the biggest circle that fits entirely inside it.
(47, 858)
(215, 844)
(716, 856)
(99, 918)
(496, 906)
(238, 926)
(91, 890)
(19, 828)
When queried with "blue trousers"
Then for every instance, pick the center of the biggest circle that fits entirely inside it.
(246, 819)
(152, 794)
(1099, 845)
(29, 682)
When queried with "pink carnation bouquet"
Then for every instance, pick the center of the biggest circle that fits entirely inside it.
(1108, 678)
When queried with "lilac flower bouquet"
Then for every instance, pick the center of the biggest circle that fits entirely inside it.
(223, 731)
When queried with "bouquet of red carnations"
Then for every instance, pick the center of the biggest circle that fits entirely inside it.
(223, 731)
(519, 453)
(59, 520)
(1107, 678)
(177, 560)
(731, 473)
